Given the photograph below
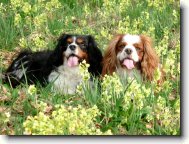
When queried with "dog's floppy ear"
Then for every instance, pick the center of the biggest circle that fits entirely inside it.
(62, 41)
(94, 57)
(150, 59)
(110, 59)
(56, 58)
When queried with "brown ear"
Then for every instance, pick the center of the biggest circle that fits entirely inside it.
(150, 59)
(110, 59)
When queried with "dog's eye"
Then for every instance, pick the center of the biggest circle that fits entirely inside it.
(82, 46)
(82, 43)
(137, 48)
(121, 46)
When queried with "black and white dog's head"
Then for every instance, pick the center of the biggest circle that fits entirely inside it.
(73, 49)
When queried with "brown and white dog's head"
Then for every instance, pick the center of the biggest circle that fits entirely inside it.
(131, 52)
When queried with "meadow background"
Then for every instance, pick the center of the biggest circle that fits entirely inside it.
(118, 108)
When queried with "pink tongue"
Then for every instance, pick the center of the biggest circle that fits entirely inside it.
(128, 63)
(73, 61)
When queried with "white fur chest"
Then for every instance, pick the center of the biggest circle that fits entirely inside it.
(65, 79)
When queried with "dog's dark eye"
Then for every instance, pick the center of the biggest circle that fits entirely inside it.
(82, 43)
(82, 46)
(121, 46)
(137, 48)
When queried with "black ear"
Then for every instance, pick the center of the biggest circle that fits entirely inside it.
(95, 57)
(61, 45)
(57, 56)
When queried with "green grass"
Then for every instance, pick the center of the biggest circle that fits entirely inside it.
(155, 110)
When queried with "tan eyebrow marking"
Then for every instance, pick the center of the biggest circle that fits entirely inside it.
(69, 40)
(138, 45)
(122, 44)
(79, 40)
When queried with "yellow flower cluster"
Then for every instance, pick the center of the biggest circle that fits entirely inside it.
(52, 5)
(35, 40)
(166, 115)
(138, 93)
(32, 90)
(83, 67)
(17, 19)
(64, 120)
(2, 8)
(107, 84)
(26, 8)
(159, 5)
(35, 18)
(40, 20)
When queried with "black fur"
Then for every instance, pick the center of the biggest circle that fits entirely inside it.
(38, 65)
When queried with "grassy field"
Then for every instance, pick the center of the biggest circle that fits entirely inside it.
(36, 24)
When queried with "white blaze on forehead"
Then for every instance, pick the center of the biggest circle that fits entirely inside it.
(74, 40)
(131, 39)
(69, 51)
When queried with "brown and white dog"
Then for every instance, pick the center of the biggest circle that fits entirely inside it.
(127, 53)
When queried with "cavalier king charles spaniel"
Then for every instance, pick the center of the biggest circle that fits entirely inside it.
(59, 66)
(128, 53)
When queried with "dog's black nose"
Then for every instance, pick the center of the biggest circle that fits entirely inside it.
(72, 47)
(128, 51)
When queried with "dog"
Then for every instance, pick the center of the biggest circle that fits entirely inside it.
(131, 55)
(59, 66)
